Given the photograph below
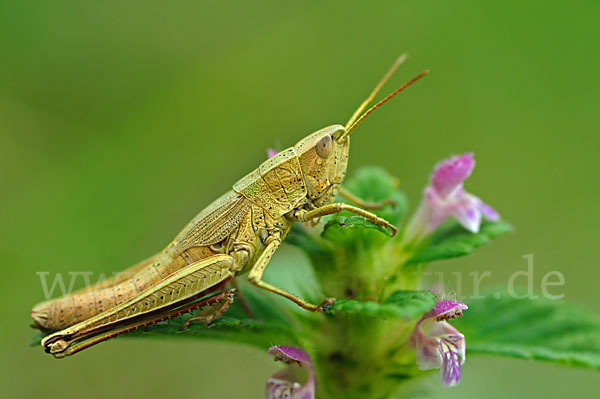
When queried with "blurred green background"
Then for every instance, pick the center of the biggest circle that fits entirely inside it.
(119, 121)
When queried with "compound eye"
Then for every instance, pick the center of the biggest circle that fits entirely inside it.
(324, 147)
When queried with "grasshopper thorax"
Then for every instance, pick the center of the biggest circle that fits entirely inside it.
(323, 161)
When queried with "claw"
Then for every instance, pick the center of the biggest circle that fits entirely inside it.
(394, 229)
(326, 304)
(390, 202)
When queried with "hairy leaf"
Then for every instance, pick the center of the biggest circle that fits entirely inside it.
(452, 240)
(401, 304)
(340, 229)
(413, 303)
(540, 329)
(249, 331)
(37, 339)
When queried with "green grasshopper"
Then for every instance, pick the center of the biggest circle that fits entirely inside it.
(240, 230)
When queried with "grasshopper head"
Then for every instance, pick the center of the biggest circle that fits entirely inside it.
(324, 153)
(323, 161)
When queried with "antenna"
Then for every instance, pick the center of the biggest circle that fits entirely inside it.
(379, 104)
(379, 86)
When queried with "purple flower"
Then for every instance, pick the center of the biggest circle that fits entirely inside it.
(284, 384)
(439, 345)
(271, 152)
(445, 197)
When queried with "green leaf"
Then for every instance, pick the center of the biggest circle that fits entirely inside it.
(540, 329)
(451, 240)
(413, 303)
(401, 304)
(339, 229)
(249, 331)
(37, 339)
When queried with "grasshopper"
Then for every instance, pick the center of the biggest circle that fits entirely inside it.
(240, 230)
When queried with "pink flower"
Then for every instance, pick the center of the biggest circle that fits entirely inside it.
(445, 197)
(284, 384)
(439, 345)
(271, 152)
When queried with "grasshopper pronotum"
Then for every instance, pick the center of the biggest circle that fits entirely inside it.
(240, 230)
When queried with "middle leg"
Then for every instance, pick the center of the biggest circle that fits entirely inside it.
(362, 203)
(255, 277)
